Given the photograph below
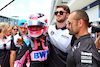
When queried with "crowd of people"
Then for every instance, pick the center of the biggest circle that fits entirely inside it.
(35, 44)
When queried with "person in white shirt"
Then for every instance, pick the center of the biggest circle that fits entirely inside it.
(59, 38)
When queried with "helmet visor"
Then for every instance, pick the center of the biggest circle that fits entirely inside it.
(34, 28)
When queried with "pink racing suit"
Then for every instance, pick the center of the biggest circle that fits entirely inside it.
(35, 50)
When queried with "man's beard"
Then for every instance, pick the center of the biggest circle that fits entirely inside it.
(61, 20)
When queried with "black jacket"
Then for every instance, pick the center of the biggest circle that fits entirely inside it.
(83, 53)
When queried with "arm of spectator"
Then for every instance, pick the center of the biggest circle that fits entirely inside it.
(92, 35)
(12, 58)
(97, 42)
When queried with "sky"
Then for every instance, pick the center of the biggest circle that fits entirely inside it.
(24, 8)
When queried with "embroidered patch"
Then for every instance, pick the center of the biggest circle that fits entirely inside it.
(51, 32)
(86, 57)
(40, 55)
(38, 44)
(65, 36)
(27, 41)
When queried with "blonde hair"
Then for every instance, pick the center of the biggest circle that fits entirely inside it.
(3, 26)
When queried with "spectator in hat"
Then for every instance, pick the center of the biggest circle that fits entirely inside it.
(22, 33)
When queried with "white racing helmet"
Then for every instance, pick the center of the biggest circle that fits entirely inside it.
(37, 25)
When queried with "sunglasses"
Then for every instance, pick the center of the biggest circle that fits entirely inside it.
(16, 29)
(68, 22)
(61, 12)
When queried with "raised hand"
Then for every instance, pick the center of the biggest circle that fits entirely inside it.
(20, 40)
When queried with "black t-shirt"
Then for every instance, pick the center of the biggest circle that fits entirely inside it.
(83, 53)
(5, 51)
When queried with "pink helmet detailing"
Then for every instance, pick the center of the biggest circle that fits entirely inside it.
(37, 25)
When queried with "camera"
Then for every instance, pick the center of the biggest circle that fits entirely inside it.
(95, 29)
(95, 26)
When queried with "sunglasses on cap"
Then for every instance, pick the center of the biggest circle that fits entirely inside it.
(16, 29)
(61, 12)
